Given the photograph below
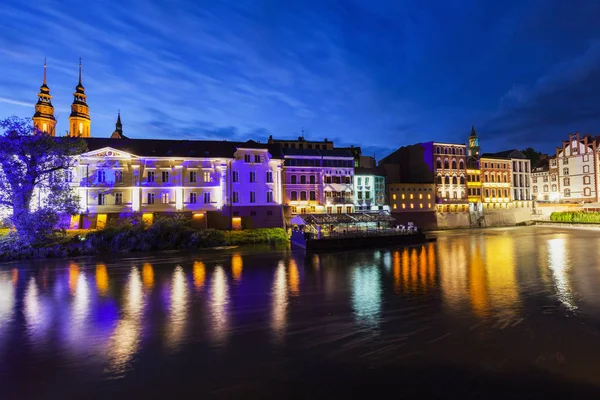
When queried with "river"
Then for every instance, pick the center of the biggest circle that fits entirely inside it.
(500, 313)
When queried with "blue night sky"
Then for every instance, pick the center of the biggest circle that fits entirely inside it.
(378, 74)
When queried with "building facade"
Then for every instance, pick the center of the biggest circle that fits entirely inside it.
(577, 168)
(451, 177)
(370, 190)
(495, 181)
(43, 119)
(412, 197)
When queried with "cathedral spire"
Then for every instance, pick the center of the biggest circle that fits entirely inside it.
(43, 119)
(473, 149)
(473, 134)
(118, 133)
(79, 120)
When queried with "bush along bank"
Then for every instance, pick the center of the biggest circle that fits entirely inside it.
(576, 217)
(134, 236)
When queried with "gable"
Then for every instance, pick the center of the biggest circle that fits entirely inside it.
(108, 152)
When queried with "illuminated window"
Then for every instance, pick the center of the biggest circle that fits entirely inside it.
(420, 205)
(411, 196)
(80, 128)
(420, 196)
(118, 198)
(428, 205)
(412, 205)
(206, 197)
(193, 198)
(428, 197)
(269, 196)
(403, 196)
(44, 127)
(164, 198)
(101, 199)
(235, 197)
(329, 210)
(294, 210)
(165, 176)
(252, 197)
(207, 177)
(235, 177)
(118, 176)
(394, 206)
(393, 197)
(150, 198)
(403, 205)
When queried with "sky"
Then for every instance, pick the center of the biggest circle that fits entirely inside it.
(375, 74)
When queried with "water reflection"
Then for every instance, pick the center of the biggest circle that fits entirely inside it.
(101, 279)
(148, 276)
(7, 299)
(199, 274)
(178, 307)
(218, 305)
(366, 295)
(37, 314)
(294, 278)
(502, 283)
(236, 267)
(80, 307)
(125, 340)
(279, 298)
(559, 264)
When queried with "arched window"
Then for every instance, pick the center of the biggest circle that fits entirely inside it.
(293, 180)
(447, 180)
(565, 171)
(312, 179)
(462, 180)
(487, 192)
(505, 192)
(454, 180)
(461, 164)
(545, 188)
(453, 164)
(493, 192)
(303, 179)
(486, 177)
(493, 177)
(303, 196)
(438, 164)
(437, 150)
(439, 179)
(294, 196)
(453, 150)
(586, 168)
(446, 163)
(445, 150)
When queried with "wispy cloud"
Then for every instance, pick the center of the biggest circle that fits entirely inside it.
(15, 102)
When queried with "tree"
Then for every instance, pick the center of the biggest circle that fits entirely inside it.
(533, 155)
(33, 185)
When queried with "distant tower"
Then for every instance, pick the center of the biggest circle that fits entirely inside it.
(79, 120)
(473, 144)
(43, 119)
(118, 133)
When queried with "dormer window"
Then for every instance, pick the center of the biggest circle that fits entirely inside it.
(247, 158)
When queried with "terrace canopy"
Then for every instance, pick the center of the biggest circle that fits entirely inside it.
(333, 222)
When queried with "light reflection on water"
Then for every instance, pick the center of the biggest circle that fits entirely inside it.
(113, 311)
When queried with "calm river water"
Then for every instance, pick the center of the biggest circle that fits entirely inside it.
(500, 313)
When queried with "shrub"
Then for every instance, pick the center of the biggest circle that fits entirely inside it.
(575, 217)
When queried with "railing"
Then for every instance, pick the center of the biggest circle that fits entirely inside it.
(363, 233)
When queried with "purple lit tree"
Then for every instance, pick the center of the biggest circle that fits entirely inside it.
(34, 188)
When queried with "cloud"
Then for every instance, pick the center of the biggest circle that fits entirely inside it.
(15, 102)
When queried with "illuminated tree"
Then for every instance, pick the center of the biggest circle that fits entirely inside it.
(33, 187)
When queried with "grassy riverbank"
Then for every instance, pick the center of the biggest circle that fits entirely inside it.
(134, 236)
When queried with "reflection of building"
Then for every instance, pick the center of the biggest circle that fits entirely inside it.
(411, 197)
(369, 189)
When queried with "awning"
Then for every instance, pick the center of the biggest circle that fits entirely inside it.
(337, 219)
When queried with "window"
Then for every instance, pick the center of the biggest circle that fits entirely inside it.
(554, 178)
(567, 182)
(453, 164)
(454, 180)
(586, 180)
(554, 188)
(411, 196)
(487, 192)
(567, 192)
(118, 198)
(252, 197)
(164, 198)
(68, 176)
(545, 188)
(302, 179)
(256, 158)
(446, 164)
(586, 169)
(235, 197)
(269, 196)
(235, 176)
(313, 195)
(348, 209)
(101, 174)
(366, 181)
(329, 210)
(193, 176)
(118, 176)
(339, 209)
(439, 180)
(206, 197)
(193, 198)
(150, 198)
(101, 199)
(207, 176)
(587, 192)
(438, 163)
(586, 158)
(313, 180)
(393, 197)
(252, 177)
(394, 206)
(461, 164)
(447, 180)
(428, 197)
(303, 196)
(565, 161)
(165, 176)
(293, 179)
(269, 176)
(565, 171)
(534, 179)
(252, 213)
(247, 158)
(553, 162)
(535, 189)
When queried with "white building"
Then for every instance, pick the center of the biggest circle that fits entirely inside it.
(577, 163)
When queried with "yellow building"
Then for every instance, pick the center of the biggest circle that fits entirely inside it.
(79, 120)
(43, 119)
(411, 197)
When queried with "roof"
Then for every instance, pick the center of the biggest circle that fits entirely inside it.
(177, 148)
(353, 218)
(317, 153)
(505, 155)
(370, 171)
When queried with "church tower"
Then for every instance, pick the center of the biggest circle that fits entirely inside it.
(473, 144)
(43, 119)
(79, 120)
(118, 133)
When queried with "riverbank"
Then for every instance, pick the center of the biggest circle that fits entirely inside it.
(130, 239)
(569, 225)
